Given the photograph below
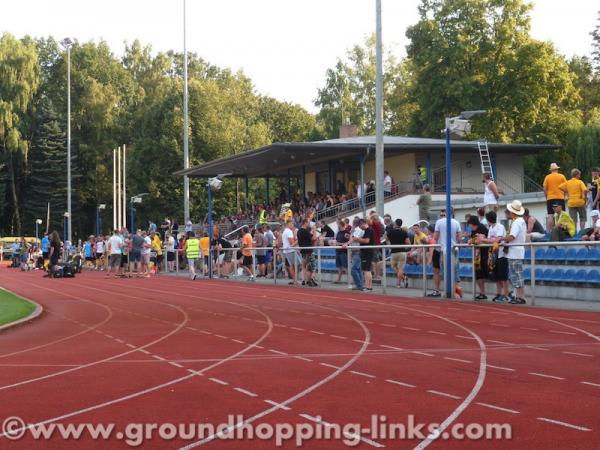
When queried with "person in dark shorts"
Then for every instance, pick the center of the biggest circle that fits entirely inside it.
(54, 252)
(498, 261)
(306, 238)
(247, 260)
(135, 254)
(398, 236)
(366, 254)
(479, 232)
(341, 255)
(260, 241)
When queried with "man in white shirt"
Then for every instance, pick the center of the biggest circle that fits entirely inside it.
(146, 250)
(115, 251)
(288, 241)
(499, 272)
(440, 235)
(593, 233)
(516, 253)
(387, 184)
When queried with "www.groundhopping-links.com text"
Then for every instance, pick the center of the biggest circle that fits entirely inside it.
(236, 428)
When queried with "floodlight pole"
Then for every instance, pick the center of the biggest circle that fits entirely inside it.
(186, 155)
(69, 223)
(379, 151)
(210, 229)
(449, 249)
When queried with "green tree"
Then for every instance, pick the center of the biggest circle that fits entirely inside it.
(596, 45)
(477, 54)
(19, 79)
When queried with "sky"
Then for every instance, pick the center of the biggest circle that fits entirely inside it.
(284, 46)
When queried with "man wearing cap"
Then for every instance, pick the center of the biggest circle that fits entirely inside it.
(565, 227)
(516, 252)
(593, 233)
(553, 193)
(577, 193)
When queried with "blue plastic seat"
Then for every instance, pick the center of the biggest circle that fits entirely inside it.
(570, 255)
(527, 254)
(547, 275)
(551, 254)
(594, 276)
(582, 254)
(465, 253)
(327, 252)
(570, 275)
(594, 254)
(429, 269)
(539, 274)
(540, 254)
(558, 276)
(465, 271)
(580, 276)
(527, 274)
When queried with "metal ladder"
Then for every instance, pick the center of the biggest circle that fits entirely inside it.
(484, 156)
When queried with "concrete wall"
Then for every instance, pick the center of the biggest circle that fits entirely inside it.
(311, 181)
(401, 168)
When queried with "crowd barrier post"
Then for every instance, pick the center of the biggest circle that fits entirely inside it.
(473, 271)
(424, 264)
(319, 265)
(384, 272)
(532, 268)
(254, 254)
(349, 266)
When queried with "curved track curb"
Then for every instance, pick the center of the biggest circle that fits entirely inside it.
(34, 314)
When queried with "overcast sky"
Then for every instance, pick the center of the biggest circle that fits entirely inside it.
(284, 46)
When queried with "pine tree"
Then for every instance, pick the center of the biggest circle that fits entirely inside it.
(46, 177)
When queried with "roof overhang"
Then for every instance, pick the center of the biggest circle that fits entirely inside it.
(277, 159)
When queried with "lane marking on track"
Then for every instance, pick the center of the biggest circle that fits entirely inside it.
(391, 347)
(303, 358)
(422, 353)
(360, 341)
(563, 332)
(400, 383)
(362, 374)
(130, 345)
(278, 405)
(337, 337)
(216, 380)
(238, 341)
(220, 336)
(464, 337)
(329, 365)
(508, 369)
(176, 364)
(499, 408)
(245, 392)
(144, 351)
(444, 394)
(545, 375)
(530, 329)
(297, 329)
(458, 360)
(500, 325)
(501, 342)
(579, 354)
(437, 332)
(316, 332)
(160, 358)
(388, 325)
(564, 424)
(589, 383)
(278, 352)
(411, 329)
(311, 418)
(472, 321)
(533, 347)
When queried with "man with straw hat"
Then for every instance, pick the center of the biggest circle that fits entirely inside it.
(553, 193)
(516, 253)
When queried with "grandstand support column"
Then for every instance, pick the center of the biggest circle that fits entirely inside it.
(362, 186)
(379, 151)
(246, 203)
(428, 168)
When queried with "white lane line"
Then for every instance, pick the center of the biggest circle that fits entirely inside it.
(303, 358)
(120, 341)
(530, 329)
(359, 341)
(589, 383)
(278, 352)
(422, 353)
(545, 375)
(216, 380)
(563, 332)
(400, 383)
(257, 346)
(130, 345)
(437, 332)
(391, 347)
(499, 408)
(329, 365)
(508, 369)
(473, 321)
(316, 332)
(337, 337)
(297, 329)
(238, 341)
(443, 394)
(499, 313)
(464, 337)
(144, 351)
(279, 405)
(362, 374)
(411, 329)
(109, 336)
(311, 418)
(457, 359)
(564, 424)
(533, 347)
(160, 358)
(499, 325)
(579, 354)
(501, 342)
(387, 325)
(205, 332)
(173, 363)
(245, 392)
(280, 325)
(221, 336)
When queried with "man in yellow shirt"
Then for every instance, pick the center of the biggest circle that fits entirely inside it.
(565, 227)
(577, 193)
(553, 193)
(156, 246)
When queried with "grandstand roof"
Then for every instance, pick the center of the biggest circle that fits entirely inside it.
(277, 158)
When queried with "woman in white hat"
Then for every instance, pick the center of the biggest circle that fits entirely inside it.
(516, 253)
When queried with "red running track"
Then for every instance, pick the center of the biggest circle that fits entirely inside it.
(169, 351)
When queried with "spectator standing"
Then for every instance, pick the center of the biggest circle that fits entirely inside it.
(247, 260)
(482, 273)
(115, 251)
(356, 272)
(499, 263)
(490, 193)
(100, 252)
(576, 191)
(306, 240)
(516, 253)
(595, 188)
(45, 246)
(367, 254)
(269, 241)
(54, 251)
(398, 236)
(553, 193)
(341, 255)
(387, 184)
(191, 247)
(440, 236)
(288, 242)
(146, 253)
(565, 227)
(260, 242)
(424, 203)
(135, 254)
(205, 250)
(170, 249)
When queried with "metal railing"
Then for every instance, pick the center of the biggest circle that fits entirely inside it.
(279, 260)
